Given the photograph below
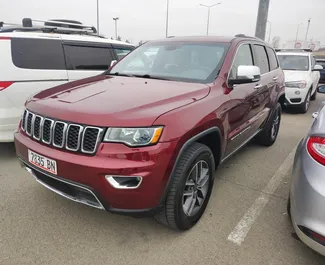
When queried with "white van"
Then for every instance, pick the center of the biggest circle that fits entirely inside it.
(37, 58)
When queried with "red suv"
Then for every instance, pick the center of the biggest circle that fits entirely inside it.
(146, 136)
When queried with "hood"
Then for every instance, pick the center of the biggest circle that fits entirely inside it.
(291, 76)
(115, 101)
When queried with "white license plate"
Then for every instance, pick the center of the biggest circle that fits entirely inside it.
(42, 162)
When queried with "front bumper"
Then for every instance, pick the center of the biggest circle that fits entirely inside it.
(308, 199)
(88, 172)
(295, 96)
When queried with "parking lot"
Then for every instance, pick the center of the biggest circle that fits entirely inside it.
(245, 222)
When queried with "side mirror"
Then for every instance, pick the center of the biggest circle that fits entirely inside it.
(318, 67)
(246, 74)
(113, 62)
(321, 89)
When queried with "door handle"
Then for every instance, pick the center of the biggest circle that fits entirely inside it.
(275, 78)
(258, 86)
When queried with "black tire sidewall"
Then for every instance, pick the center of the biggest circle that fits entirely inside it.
(183, 221)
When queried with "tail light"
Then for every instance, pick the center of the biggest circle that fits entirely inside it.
(5, 84)
(316, 148)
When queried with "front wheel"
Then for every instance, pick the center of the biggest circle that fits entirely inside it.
(303, 108)
(269, 134)
(190, 189)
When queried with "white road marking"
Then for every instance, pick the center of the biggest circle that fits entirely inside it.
(241, 230)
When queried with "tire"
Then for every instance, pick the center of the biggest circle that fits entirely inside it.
(270, 133)
(313, 97)
(173, 213)
(289, 207)
(303, 108)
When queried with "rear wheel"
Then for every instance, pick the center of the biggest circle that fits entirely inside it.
(190, 189)
(289, 207)
(269, 134)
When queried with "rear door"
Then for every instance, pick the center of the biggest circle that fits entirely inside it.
(85, 59)
(35, 64)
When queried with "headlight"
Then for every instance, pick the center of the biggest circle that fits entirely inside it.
(134, 136)
(298, 84)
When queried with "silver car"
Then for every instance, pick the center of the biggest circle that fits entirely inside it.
(306, 203)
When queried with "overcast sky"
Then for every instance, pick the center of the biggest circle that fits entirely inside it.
(146, 19)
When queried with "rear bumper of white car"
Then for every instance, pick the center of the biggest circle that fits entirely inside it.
(295, 96)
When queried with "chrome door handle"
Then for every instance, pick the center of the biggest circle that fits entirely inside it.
(258, 86)
(275, 78)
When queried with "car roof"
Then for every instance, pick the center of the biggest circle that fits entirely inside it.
(73, 37)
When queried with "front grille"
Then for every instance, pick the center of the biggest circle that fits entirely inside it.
(60, 134)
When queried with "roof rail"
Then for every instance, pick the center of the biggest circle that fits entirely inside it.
(63, 26)
(245, 36)
(293, 50)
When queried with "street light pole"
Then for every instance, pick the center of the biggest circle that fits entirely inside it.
(167, 18)
(115, 19)
(263, 10)
(307, 30)
(269, 31)
(209, 7)
(298, 31)
(97, 17)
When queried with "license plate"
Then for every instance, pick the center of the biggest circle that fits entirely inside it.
(42, 162)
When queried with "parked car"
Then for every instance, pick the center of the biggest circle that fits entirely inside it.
(146, 138)
(307, 193)
(34, 59)
(301, 77)
(322, 72)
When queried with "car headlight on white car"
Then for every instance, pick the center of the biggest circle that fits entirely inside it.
(134, 136)
(296, 84)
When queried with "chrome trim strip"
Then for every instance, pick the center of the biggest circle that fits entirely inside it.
(99, 134)
(116, 185)
(51, 131)
(239, 147)
(67, 196)
(65, 126)
(79, 135)
(40, 128)
(31, 125)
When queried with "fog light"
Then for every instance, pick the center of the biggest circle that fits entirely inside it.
(297, 92)
(124, 182)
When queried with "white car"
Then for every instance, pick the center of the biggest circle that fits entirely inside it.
(37, 58)
(301, 77)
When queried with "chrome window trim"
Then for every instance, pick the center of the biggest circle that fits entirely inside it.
(51, 131)
(40, 127)
(79, 135)
(65, 126)
(32, 124)
(100, 131)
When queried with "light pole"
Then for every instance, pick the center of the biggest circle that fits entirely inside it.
(298, 31)
(307, 31)
(115, 19)
(209, 7)
(167, 18)
(270, 29)
(97, 18)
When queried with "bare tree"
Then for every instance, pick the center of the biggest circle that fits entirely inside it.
(127, 41)
(276, 42)
(119, 38)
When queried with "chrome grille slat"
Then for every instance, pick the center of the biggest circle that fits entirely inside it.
(74, 133)
(60, 134)
(92, 135)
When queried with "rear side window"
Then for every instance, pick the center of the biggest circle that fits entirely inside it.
(261, 59)
(121, 52)
(272, 59)
(43, 54)
(88, 58)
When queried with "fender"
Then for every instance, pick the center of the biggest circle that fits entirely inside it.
(184, 147)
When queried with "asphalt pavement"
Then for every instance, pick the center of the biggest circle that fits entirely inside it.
(245, 222)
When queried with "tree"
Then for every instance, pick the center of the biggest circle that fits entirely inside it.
(127, 41)
(119, 38)
(140, 42)
(276, 42)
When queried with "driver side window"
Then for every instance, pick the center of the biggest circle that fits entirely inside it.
(243, 57)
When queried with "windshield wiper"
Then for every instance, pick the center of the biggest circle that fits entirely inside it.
(120, 74)
(151, 77)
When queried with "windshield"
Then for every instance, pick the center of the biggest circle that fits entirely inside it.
(176, 61)
(294, 62)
